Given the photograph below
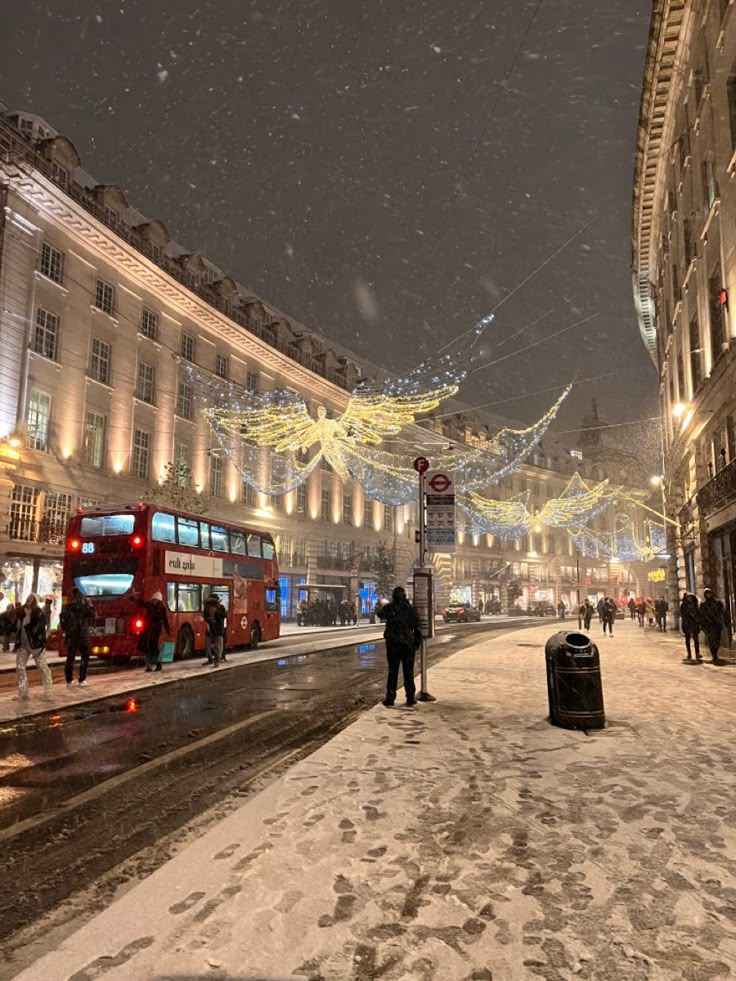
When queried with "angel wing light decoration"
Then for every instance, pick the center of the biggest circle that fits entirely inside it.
(280, 421)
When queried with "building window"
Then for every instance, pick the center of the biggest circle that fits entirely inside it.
(105, 297)
(325, 505)
(59, 174)
(99, 361)
(141, 454)
(221, 365)
(145, 387)
(388, 517)
(716, 313)
(52, 263)
(46, 334)
(39, 414)
(94, 439)
(251, 381)
(710, 188)
(23, 511)
(731, 96)
(301, 499)
(186, 349)
(249, 495)
(56, 510)
(26, 127)
(184, 400)
(149, 324)
(695, 353)
(216, 473)
(367, 512)
(182, 464)
(347, 509)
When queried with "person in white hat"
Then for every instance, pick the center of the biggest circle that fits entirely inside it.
(155, 620)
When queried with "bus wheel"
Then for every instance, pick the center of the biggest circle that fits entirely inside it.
(255, 636)
(185, 642)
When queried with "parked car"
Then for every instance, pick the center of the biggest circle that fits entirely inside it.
(461, 613)
(543, 608)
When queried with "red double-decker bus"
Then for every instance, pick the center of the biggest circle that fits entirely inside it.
(113, 553)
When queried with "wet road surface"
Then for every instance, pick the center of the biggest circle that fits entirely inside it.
(85, 789)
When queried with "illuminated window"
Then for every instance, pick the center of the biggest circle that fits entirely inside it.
(94, 439)
(325, 508)
(388, 517)
(347, 509)
(367, 512)
(301, 499)
(39, 415)
(251, 381)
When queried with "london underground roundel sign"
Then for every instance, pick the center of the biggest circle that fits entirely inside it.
(440, 482)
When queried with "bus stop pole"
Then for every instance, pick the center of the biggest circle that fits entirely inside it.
(426, 574)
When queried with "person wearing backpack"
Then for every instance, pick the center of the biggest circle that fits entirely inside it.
(32, 630)
(74, 621)
(403, 637)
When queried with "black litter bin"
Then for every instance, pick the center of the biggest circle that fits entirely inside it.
(574, 682)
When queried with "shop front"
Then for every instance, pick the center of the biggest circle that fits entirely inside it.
(722, 544)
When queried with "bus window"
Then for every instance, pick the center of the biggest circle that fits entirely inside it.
(171, 596)
(188, 532)
(268, 550)
(237, 542)
(163, 527)
(107, 524)
(219, 538)
(204, 531)
(187, 597)
(272, 599)
(222, 590)
(254, 546)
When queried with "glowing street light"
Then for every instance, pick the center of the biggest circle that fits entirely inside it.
(679, 410)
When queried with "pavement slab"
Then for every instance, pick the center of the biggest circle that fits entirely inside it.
(465, 840)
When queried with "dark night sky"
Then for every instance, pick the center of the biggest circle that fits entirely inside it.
(322, 152)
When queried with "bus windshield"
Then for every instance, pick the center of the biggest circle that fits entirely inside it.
(107, 524)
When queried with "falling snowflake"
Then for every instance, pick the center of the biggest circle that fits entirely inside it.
(436, 48)
(163, 75)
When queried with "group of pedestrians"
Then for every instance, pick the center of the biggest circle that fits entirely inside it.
(710, 616)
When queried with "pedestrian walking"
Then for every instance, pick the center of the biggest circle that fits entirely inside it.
(649, 608)
(690, 624)
(641, 612)
(561, 610)
(632, 607)
(586, 613)
(75, 622)
(609, 615)
(600, 606)
(403, 637)
(32, 628)
(661, 609)
(9, 625)
(155, 620)
(713, 618)
(215, 615)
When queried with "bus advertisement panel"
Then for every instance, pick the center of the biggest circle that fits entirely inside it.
(116, 553)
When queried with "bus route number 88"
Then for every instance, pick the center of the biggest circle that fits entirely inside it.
(88, 548)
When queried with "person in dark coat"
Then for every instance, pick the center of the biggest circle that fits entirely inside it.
(600, 606)
(690, 623)
(714, 618)
(215, 615)
(403, 637)
(661, 609)
(155, 621)
(632, 607)
(609, 615)
(74, 621)
(561, 610)
(586, 613)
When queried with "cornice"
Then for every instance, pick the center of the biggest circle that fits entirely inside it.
(51, 201)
